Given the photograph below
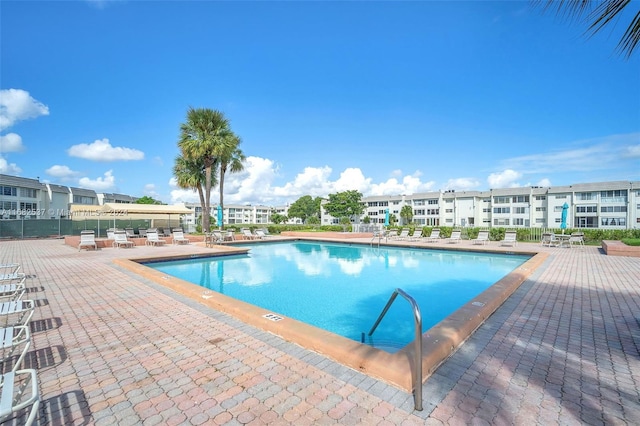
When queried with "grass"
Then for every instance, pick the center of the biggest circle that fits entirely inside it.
(631, 241)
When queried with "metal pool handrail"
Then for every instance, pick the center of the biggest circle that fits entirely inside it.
(417, 370)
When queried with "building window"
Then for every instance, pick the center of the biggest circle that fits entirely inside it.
(518, 222)
(541, 197)
(501, 210)
(586, 209)
(539, 220)
(613, 221)
(519, 210)
(419, 212)
(432, 202)
(501, 222)
(520, 199)
(433, 212)
(541, 209)
(28, 193)
(586, 196)
(501, 200)
(560, 197)
(488, 210)
(9, 191)
(613, 209)
(448, 211)
(80, 199)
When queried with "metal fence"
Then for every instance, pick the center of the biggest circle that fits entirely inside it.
(52, 228)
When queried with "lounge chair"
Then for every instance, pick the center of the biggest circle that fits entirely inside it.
(110, 233)
(11, 339)
(510, 239)
(153, 239)
(87, 239)
(120, 239)
(178, 237)
(247, 235)
(455, 237)
(417, 235)
(403, 235)
(435, 236)
(12, 291)
(129, 232)
(22, 309)
(142, 233)
(229, 236)
(258, 234)
(15, 397)
(266, 232)
(392, 234)
(212, 238)
(482, 238)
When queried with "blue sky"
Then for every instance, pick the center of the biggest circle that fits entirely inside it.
(384, 97)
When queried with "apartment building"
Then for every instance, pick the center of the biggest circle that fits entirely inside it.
(604, 205)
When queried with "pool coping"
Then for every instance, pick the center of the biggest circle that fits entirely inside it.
(438, 343)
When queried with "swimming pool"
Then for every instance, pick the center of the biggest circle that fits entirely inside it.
(342, 288)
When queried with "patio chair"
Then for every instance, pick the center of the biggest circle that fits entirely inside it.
(11, 273)
(120, 239)
(549, 239)
(178, 237)
(11, 339)
(22, 309)
(510, 239)
(129, 232)
(142, 232)
(434, 236)
(247, 235)
(12, 291)
(87, 239)
(15, 397)
(455, 237)
(417, 235)
(404, 234)
(482, 238)
(392, 234)
(258, 234)
(576, 238)
(153, 239)
(229, 236)
(110, 233)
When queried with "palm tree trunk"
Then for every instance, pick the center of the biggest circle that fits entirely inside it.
(221, 193)
(207, 198)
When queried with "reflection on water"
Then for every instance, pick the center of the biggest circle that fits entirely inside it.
(343, 288)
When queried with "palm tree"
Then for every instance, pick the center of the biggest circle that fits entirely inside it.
(599, 14)
(231, 160)
(190, 175)
(203, 138)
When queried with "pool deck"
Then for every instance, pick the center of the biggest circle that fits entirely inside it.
(112, 347)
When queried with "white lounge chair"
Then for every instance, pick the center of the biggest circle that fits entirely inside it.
(22, 309)
(455, 237)
(12, 338)
(178, 237)
(482, 238)
(417, 235)
(10, 273)
(510, 239)
(258, 234)
(12, 291)
(392, 234)
(120, 239)
(403, 235)
(19, 390)
(87, 239)
(153, 239)
(548, 239)
(434, 236)
(247, 235)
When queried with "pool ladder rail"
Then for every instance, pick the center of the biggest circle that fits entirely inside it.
(417, 316)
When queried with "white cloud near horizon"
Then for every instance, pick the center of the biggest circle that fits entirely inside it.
(101, 150)
(505, 179)
(593, 154)
(61, 172)
(100, 184)
(18, 105)
(9, 168)
(11, 142)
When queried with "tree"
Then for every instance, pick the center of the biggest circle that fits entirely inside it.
(347, 204)
(305, 207)
(599, 14)
(189, 174)
(203, 140)
(147, 200)
(366, 220)
(406, 214)
(278, 218)
(231, 159)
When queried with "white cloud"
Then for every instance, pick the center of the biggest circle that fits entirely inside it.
(17, 105)
(11, 142)
(101, 150)
(592, 154)
(462, 184)
(179, 195)
(100, 184)
(545, 183)
(632, 151)
(62, 172)
(9, 168)
(312, 181)
(504, 179)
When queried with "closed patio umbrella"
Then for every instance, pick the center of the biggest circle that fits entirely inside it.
(220, 216)
(386, 217)
(563, 223)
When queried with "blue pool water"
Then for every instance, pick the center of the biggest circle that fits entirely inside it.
(343, 288)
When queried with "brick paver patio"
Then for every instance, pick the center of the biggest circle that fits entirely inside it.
(114, 348)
